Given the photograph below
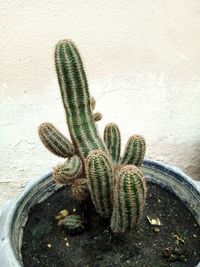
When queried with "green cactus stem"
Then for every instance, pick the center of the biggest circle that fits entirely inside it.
(99, 172)
(55, 141)
(134, 151)
(76, 99)
(80, 190)
(129, 198)
(67, 172)
(112, 140)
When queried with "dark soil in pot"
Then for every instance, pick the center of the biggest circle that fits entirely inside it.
(175, 242)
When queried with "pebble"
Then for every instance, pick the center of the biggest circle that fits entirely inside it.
(156, 229)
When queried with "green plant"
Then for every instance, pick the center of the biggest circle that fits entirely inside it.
(129, 198)
(93, 165)
(134, 150)
(68, 171)
(55, 141)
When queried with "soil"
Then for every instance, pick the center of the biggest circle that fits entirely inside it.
(175, 242)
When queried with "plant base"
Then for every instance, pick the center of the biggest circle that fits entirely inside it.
(174, 243)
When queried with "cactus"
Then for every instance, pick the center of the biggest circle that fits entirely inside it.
(78, 105)
(99, 172)
(134, 151)
(80, 190)
(128, 198)
(68, 171)
(73, 224)
(76, 99)
(55, 141)
(93, 167)
(112, 140)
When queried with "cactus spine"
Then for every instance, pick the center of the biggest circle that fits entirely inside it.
(68, 171)
(55, 141)
(76, 99)
(112, 140)
(134, 151)
(99, 172)
(129, 198)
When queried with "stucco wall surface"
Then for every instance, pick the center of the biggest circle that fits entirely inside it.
(143, 64)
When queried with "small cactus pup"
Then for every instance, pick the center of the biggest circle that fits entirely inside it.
(76, 99)
(128, 198)
(112, 139)
(67, 172)
(97, 116)
(134, 151)
(80, 190)
(92, 103)
(55, 141)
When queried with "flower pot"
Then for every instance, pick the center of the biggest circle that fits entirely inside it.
(14, 214)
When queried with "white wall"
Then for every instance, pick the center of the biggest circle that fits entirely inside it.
(142, 58)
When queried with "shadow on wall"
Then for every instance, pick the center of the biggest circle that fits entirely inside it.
(184, 156)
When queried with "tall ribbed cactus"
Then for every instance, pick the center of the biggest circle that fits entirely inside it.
(78, 106)
(80, 190)
(76, 99)
(129, 198)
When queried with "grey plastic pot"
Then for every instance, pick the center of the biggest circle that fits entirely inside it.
(15, 212)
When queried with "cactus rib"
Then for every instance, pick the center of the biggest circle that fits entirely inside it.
(68, 171)
(97, 116)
